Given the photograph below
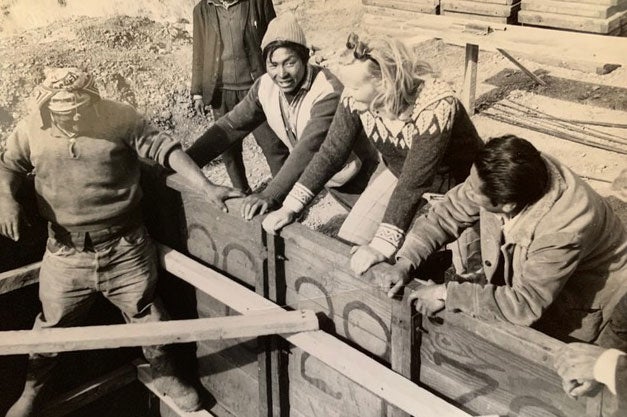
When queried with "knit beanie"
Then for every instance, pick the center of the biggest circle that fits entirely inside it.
(284, 28)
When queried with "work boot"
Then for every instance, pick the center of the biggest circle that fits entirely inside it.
(39, 371)
(167, 382)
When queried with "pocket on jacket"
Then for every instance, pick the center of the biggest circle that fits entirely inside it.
(57, 248)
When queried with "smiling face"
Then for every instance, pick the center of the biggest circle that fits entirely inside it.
(360, 84)
(286, 69)
(477, 196)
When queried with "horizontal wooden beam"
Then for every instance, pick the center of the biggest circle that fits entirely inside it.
(359, 368)
(143, 334)
(145, 377)
(19, 278)
(90, 392)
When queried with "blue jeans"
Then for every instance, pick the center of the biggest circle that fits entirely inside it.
(123, 269)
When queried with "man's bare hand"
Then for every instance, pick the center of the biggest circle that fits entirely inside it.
(199, 106)
(217, 194)
(392, 278)
(430, 298)
(10, 221)
(255, 204)
(575, 364)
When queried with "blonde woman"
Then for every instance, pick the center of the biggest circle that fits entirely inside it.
(422, 132)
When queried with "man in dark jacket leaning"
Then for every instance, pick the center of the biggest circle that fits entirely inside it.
(226, 61)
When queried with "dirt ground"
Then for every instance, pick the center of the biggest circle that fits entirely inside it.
(141, 53)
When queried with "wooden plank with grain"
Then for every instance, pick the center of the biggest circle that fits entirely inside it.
(486, 9)
(585, 24)
(19, 278)
(573, 9)
(336, 354)
(156, 333)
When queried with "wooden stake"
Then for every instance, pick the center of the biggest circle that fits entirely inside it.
(159, 333)
(469, 88)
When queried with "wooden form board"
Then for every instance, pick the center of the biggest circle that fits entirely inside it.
(156, 333)
(316, 277)
(598, 11)
(585, 24)
(335, 354)
(473, 7)
(479, 17)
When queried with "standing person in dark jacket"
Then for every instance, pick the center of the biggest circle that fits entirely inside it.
(226, 61)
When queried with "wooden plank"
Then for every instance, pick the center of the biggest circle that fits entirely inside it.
(486, 9)
(585, 24)
(469, 87)
(571, 8)
(502, 2)
(317, 390)
(158, 333)
(480, 17)
(419, 6)
(145, 377)
(318, 277)
(386, 11)
(405, 342)
(505, 369)
(581, 51)
(600, 2)
(90, 392)
(19, 278)
(521, 67)
(344, 359)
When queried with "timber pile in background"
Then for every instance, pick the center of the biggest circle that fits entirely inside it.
(496, 11)
(606, 17)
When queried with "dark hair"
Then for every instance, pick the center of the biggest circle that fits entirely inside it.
(512, 171)
(301, 51)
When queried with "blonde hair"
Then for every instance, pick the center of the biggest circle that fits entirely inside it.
(400, 72)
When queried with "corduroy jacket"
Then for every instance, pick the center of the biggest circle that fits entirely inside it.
(564, 258)
(207, 43)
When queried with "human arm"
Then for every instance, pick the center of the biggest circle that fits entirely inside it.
(582, 365)
(309, 142)
(330, 158)
(181, 163)
(14, 165)
(233, 127)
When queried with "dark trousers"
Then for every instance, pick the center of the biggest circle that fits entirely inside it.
(273, 149)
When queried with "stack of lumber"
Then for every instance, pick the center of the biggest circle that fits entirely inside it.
(401, 8)
(607, 17)
(496, 11)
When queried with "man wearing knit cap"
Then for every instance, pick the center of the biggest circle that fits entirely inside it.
(226, 61)
(84, 152)
(298, 101)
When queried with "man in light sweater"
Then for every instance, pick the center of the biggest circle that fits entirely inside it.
(84, 153)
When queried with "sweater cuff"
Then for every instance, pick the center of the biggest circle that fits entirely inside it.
(605, 368)
(298, 198)
(387, 239)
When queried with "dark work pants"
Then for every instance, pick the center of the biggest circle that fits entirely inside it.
(273, 149)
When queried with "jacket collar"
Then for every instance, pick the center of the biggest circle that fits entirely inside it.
(523, 230)
(221, 3)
